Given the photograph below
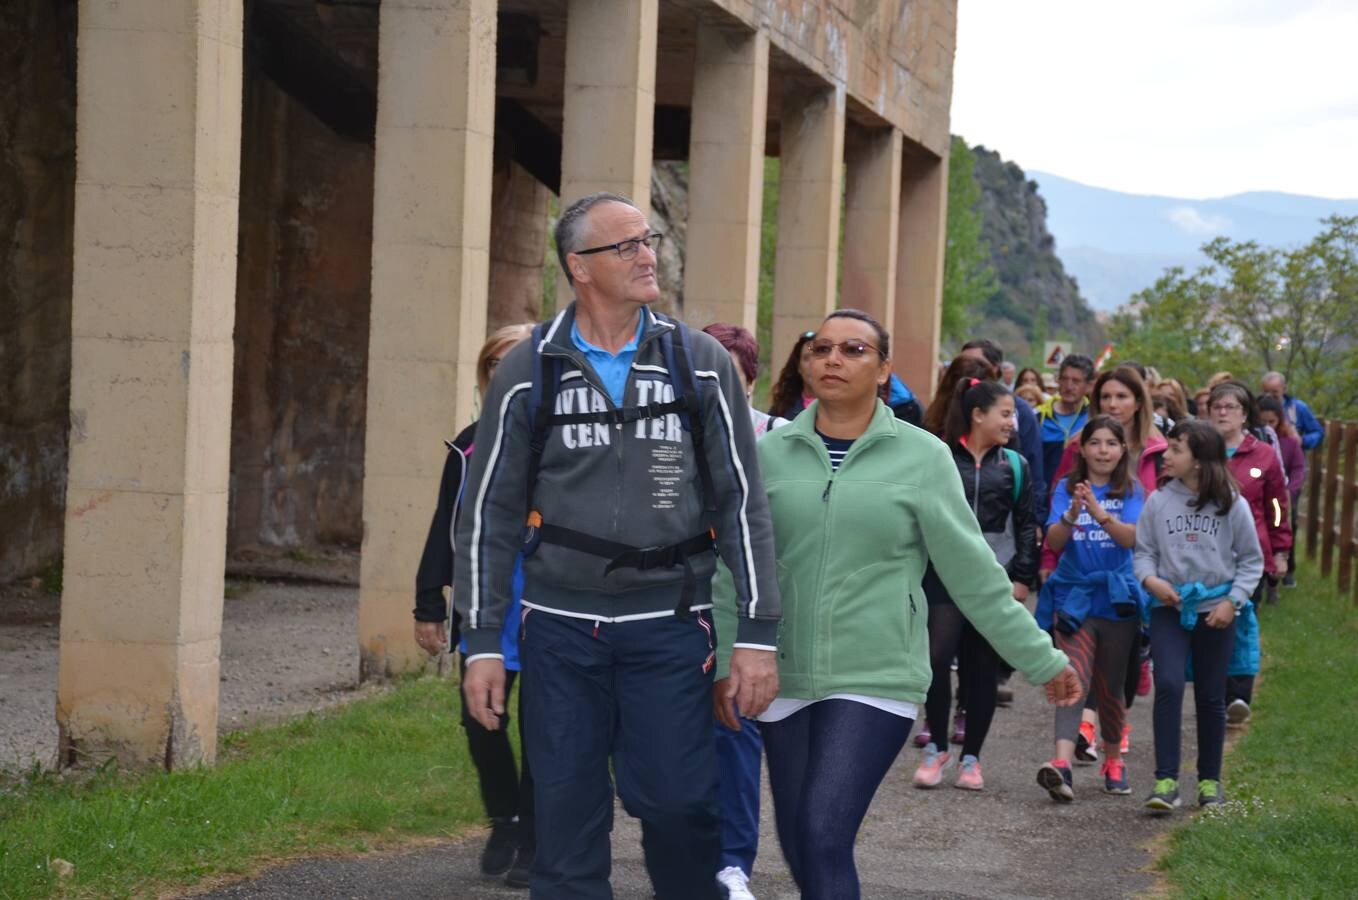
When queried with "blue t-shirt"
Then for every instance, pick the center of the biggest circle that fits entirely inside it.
(612, 370)
(1093, 549)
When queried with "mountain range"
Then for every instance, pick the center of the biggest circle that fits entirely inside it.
(1116, 244)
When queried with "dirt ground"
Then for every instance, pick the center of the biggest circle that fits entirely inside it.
(287, 647)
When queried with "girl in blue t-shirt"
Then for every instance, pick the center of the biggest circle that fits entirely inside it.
(1092, 602)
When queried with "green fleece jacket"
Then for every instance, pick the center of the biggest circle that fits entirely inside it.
(852, 547)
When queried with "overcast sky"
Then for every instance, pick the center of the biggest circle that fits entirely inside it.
(1187, 98)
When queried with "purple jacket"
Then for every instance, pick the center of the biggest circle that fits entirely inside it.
(1294, 464)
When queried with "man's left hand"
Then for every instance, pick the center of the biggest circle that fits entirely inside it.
(754, 680)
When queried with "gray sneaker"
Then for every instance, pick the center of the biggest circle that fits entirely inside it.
(1210, 793)
(1237, 713)
(1165, 797)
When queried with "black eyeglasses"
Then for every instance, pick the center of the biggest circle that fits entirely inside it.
(848, 349)
(629, 248)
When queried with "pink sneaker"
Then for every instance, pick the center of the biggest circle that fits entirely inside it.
(930, 772)
(969, 775)
(924, 738)
(1145, 683)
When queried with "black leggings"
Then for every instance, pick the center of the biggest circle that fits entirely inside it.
(505, 790)
(950, 634)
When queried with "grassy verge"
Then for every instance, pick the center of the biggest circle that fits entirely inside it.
(379, 769)
(1290, 826)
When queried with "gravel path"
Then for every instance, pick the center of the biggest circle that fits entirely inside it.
(1007, 841)
(286, 648)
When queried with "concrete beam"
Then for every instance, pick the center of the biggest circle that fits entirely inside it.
(806, 263)
(872, 199)
(609, 103)
(431, 263)
(919, 275)
(726, 176)
(158, 119)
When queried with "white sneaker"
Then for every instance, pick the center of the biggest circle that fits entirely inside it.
(736, 884)
(1238, 713)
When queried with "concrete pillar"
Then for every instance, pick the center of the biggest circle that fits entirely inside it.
(726, 176)
(806, 263)
(609, 107)
(431, 231)
(919, 271)
(872, 202)
(158, 119)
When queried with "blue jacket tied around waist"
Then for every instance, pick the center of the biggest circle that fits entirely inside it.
(1245, 655)
(1077, 590)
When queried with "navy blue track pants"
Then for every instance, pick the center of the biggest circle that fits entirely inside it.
(638, 693)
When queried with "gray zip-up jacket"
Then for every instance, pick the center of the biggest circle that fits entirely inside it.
(1183, 545)
(636, 484)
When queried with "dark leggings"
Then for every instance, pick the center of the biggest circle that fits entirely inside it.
(505, 791)
(1211, 649)
(950, 634)
(825, 763)
(1099, 653)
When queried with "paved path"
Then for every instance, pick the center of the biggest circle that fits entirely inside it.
(1008, 841)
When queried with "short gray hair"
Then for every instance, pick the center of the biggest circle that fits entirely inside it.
(1274, 376)
(571, 226)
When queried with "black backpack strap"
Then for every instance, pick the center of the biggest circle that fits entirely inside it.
(679, 360)
(541, 403)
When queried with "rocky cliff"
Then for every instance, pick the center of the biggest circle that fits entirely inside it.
(1037, 299)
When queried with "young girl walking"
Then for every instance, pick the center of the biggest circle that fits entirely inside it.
(1198, 556)
(998, 488)
(1092, 602)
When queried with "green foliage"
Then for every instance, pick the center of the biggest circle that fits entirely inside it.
(968, 278)
(769, 362)
(1290, 823)
(376, 770)
(1173, 326)
(51, 576)
(1255, 309)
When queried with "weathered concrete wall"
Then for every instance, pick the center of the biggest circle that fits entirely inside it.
(892, 56)
(518, 244)
(37, 191)
(301, 329)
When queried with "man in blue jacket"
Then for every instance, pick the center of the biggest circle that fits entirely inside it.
(1298, 413)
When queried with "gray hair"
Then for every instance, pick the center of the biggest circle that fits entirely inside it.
(1278, 376)
(570, 227)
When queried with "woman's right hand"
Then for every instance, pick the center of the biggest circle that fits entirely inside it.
(1162, 590)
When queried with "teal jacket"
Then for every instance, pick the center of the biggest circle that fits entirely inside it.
(852, 547)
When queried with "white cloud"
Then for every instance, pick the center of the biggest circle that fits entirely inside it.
(1187, 218)
(1195, 98)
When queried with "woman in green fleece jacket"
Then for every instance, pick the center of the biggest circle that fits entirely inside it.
(860, 502)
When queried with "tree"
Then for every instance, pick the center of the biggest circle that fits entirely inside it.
(1256, 309)
(968, 278)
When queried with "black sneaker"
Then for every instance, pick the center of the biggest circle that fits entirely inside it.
(1004, 695)
(1056, 779)
(1085, 754)
(498, 854)
(1289, 580)
(1165, 797)
(517, 876)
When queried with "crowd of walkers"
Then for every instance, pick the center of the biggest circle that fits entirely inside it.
(691, 586)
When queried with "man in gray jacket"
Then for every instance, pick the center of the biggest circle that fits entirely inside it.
(616, 526)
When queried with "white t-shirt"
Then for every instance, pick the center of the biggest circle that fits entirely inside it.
(782, 707)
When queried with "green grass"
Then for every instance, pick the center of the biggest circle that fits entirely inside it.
(380, 769)
(1290, 824)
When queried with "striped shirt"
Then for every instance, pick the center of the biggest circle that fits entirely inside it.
(838, 448)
